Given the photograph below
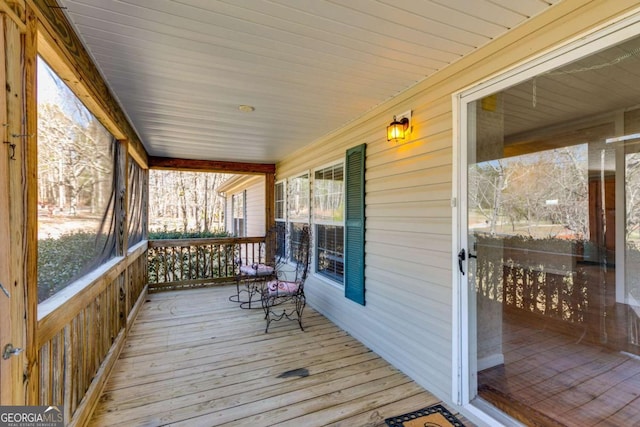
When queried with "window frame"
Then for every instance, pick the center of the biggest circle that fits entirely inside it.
(235, 219)
(281, 222)
(283, 183)
(117, 210)
(316, 221)
(291, 220)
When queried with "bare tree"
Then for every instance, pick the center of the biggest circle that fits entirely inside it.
(185, 200)
(549, 187)
(75, 159)
(487, 182)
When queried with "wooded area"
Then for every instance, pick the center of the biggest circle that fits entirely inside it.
(186, 201)
(78, 167)
(76, 186)
(543, 194)
(75, 160)
(632, 194)
(546, 194)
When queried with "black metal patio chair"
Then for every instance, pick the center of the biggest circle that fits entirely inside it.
(283, 296)
(252, 276)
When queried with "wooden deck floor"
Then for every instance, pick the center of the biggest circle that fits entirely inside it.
(564, 381)
(195, 359)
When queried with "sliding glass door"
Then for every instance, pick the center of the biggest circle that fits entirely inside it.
(553, 243)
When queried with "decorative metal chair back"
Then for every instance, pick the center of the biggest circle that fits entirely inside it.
(267, 257)
(284, 297)
(257, 268)
(274, 247)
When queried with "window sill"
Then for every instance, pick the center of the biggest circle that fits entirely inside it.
(324, 279)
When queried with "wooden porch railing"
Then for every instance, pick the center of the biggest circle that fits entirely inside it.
(189, 263)
(532, 278)
(556, 289)
(81, 331)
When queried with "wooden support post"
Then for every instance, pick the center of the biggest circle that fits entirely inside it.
(30, 192)
(6, 387)
(15, 135)
(269, 214)
(125, 241)
(269, 200)
(18, 197)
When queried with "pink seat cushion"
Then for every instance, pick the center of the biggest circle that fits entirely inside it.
(256, 270)
(278, 287)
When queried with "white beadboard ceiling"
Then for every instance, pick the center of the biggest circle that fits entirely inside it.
(181, 68)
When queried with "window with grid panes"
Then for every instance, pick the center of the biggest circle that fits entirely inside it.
(281, 225)
(238, 214)
(328, 216)
(297, 209)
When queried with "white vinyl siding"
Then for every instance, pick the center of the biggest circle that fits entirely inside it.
(407, 244)
(254, 205)
(255, 209)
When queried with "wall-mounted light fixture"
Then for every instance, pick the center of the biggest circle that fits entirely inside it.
(400, 127)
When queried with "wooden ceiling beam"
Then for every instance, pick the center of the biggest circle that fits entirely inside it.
(169, 163)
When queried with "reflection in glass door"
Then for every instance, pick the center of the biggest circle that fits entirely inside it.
(553, 212)
(632, 240)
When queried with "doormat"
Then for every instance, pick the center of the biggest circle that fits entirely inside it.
(433, 416)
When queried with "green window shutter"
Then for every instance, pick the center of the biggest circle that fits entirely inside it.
(354, 224)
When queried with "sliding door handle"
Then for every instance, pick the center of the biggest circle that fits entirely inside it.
(462, 255)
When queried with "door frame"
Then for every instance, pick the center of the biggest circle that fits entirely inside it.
(463, 365)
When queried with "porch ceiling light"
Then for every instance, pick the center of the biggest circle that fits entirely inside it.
(398, 129)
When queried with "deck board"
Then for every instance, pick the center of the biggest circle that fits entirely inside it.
(195, 359)
(572, 382)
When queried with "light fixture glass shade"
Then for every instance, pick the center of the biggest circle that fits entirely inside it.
(397, 129)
